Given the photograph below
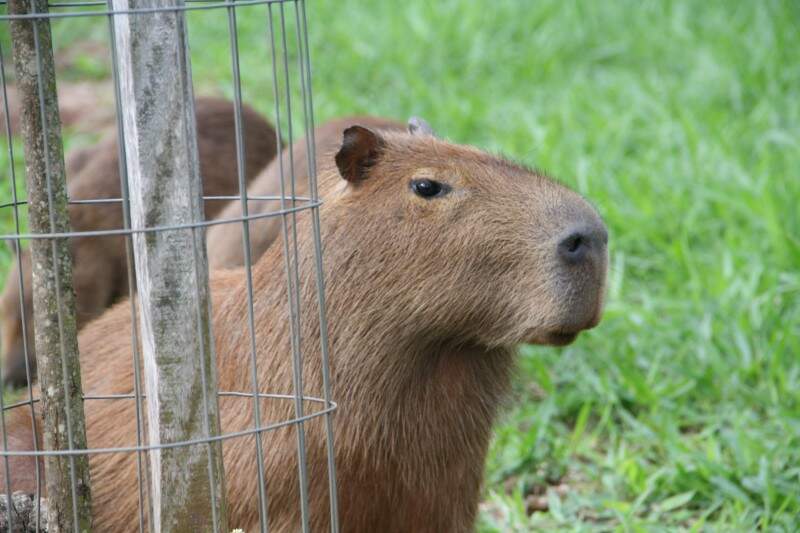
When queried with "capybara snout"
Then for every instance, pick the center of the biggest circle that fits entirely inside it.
(583, 253)
(577, 244)
(578, 241)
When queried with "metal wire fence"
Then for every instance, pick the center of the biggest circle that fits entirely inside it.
(285, 32)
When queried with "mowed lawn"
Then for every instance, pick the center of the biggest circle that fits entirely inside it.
(680, 121)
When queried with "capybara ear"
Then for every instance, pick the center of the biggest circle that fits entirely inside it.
(360, 150)
(419, 126)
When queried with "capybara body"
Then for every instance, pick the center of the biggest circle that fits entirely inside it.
(99, 263)
(225, 245)
(438, 260)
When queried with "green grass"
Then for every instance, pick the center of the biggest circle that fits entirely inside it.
(681, 122)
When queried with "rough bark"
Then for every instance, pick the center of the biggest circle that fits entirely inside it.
(186, 483)
(53, 295)
(18, 513)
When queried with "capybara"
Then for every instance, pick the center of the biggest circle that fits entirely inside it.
(225, 245)
(100, 272)
(86, 106)
(438, 260)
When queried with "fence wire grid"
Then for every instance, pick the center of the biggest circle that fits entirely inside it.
(285, 34)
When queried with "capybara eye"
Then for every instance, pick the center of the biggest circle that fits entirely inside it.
(428, 188)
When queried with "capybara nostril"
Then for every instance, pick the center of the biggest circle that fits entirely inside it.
(580, 243)
(574, 248)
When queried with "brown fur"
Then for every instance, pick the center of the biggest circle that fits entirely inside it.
(426, 300)
(225, 245)
(86, 106)
(100, 273)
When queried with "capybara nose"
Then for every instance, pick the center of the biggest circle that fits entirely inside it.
(581, 243)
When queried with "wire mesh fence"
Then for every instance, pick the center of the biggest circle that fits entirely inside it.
(133, 376)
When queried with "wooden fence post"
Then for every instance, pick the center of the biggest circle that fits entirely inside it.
(68, 491)
(186, 483)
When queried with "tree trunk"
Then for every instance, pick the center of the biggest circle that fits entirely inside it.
(186, 483)
(56, 338)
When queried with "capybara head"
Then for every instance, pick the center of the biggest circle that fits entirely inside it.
(469, 247)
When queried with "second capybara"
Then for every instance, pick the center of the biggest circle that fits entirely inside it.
(438, 260)
(225, 245)
(100, 272)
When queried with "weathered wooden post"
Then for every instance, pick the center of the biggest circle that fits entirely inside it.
(69, 505)
(186, 483)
